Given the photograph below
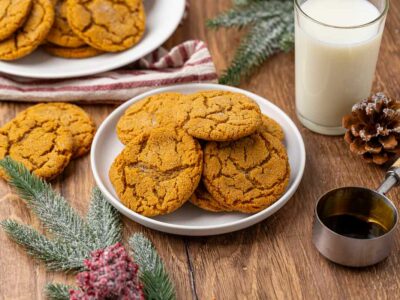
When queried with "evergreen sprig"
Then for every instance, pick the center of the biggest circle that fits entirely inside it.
(73, 237)
(58, 291)
(157, 284)
(271, 30)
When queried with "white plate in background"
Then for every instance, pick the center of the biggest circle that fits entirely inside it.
(162, 18)
(190, 220)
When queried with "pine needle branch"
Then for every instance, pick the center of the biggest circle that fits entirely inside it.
(104, 221)
(50, 207)
(58, 291)
(157, 284)
(271, 30)
(56, 256)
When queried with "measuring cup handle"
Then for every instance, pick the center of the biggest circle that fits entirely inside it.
(392, 178)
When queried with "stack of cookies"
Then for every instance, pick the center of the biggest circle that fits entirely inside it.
(69, 28)
(212, 148)
(45, 137)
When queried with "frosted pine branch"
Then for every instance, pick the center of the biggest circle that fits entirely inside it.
(58, 291)
(157, 284)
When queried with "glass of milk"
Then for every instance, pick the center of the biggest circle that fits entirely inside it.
(337, 47)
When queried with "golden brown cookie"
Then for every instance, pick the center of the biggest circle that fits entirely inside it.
(34, 31)
(74, 118)
(61, 34)
(44, 147)
(249, 174)
(149, 113)
(80, 52)
(272, 127)
(108, 25)
(158, 171)
(13, 14)
(203, 199)
(220, 115)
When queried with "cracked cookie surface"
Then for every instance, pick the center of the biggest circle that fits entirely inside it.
(108, 25)
(44, 147)
(34, 31)
(149, 113)
(72, 117)
(204, 200)
(80, 52)
(220, 115)
(61, 33)
(249, 174)
(157, 172)
(13, 14)
(271, 126)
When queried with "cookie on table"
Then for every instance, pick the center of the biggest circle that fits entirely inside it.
(204, 200)
(72, 117)
(249, 174)
(220, 115)
(272, 127)
(45, 147)
(13, 14)
(61, 34)
(157, 171)
(80, 52)
(107, 25)
(33, 32)
(152, 112)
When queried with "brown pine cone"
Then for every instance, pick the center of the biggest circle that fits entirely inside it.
(373, 129)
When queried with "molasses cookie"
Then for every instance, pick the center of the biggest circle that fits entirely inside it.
(61, 34)
(80, 52)
(220, 115)
(72, 117)
(249, 174)
(13, 14)
(43, 146)
(158, 171)
(203, 199)
(152, 112)
(272, 127)
(34, 31)
(107, 25)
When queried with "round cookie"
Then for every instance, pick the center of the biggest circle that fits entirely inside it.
(221, 115)
(34, 31)
(61, 34)
(74, 118)
(272, 127)
(80, 52)
(204, 200)
(158, 171)
(13, 14)
(149, 113)
(108, 25)
(249, 174)
(43, 146)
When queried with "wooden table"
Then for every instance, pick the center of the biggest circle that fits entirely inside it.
(274, 259)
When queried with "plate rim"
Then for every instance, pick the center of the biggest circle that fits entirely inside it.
(198, 230)
(117, 64)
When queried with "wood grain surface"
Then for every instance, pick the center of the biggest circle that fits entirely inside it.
(272, 260)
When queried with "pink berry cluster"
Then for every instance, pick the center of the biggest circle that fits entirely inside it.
(111, 274)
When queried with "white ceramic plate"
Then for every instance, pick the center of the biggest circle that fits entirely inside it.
(163, 16)
(190, 220)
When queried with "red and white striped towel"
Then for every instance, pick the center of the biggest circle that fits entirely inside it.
(188, 62)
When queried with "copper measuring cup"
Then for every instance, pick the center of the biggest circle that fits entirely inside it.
(355, 226)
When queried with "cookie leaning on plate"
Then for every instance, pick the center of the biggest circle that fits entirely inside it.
(220, 115)
(157, 171)
(13, 14)
(74, 118)
(34, 31)
(43, 146)
(203, 199)
(249, 174)
(107, 25)
(79, 52)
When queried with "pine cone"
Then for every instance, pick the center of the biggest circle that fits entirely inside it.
(373, 129)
